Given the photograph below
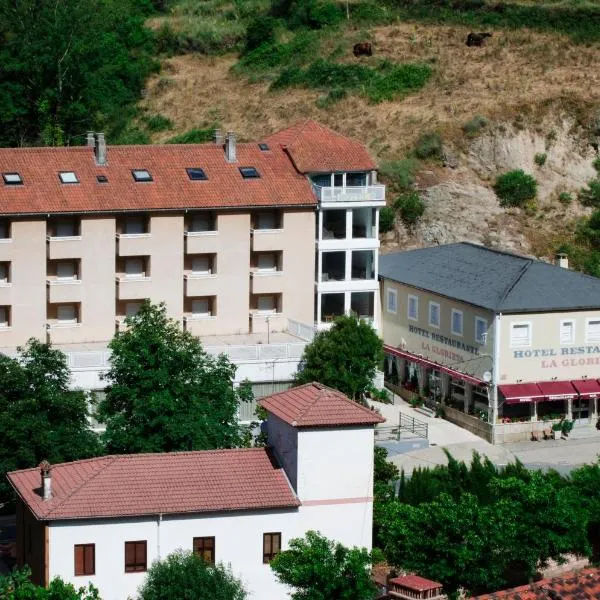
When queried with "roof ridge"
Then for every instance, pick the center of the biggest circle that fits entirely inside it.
(516, 280)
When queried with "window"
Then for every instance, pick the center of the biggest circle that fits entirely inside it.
(68, 177)
(202, 222)
(132, 308)
(4, 272)
(101, 178)
(196, 174)
(66, 270)
(4, 317)
(457, 322)
(480, 330)
(413, 308)
(12, 179)
(201, 265)
(266, 304)
(205, 548)
(266, 261)
(4, 229)
(135, 557)
(520, 334)
(249, 173)
(201, 307)
(140, 175)
(134, 225)
(356, 179)
(66, 313)
(592, 330)
(263, 147)
(134, 268)
(567, 332)
(434, 314)
(392, 300)
(271, 546)
(266, 220)
(85, 559)
(65, 228)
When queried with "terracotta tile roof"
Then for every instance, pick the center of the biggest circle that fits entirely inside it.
(415, 582)
(42, 192)
(316, 405)
(142, 484)
(581, 585)
(314, 148)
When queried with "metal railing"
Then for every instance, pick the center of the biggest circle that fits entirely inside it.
(363, 193)
(414, 426)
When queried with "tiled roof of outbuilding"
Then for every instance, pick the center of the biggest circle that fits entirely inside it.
(315, 148)
(144, 484)
(316, 405)
(416, 582)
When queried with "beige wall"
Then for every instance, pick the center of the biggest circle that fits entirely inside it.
(546, 358)
(418, 337)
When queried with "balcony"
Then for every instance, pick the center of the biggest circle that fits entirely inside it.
(64, 291)
(268, 240)
(263, 321)
(363, 193)
(200, 285)
(5, 294)
(5, 249)
(200, 325)
(134, 288)
(65, 247)
(62, 333)
(266, 282)
(134, 244)
(201, 242)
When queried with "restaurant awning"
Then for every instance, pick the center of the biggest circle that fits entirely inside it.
(421, 360)
(515, 393)
(557, 390)
(587, 388)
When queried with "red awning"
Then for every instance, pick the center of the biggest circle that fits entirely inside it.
(557, 390)
(429, 363)
(514, 393)
(587, 388)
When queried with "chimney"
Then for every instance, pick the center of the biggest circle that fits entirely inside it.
(562, 260)
(45, 469)
(101, 150)
(91, 140)
(230, 154)
(218, 137)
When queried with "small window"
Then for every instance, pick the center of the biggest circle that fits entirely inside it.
(4, 317)
(266, 261)
(271, 546)
(263, 147)
(12, 179)
(205, 548)
(266, 304)
(592, 330)
(413, 308)
(520, 335)
(266, 220)
(68, 177)
(567, 332)
(135, 557)
(66, 270)
(132, 308)
(141, 175)
(201, 265)
(66, 228)
(4, 272)
(196, 174)
(134, 268)
(392, 300)
(200, 222)
(201, 307)
(249, 173)
(4, 229)
(135, 225)
(66, 313)
(101, 178)
(85, 559)
(480, 330)
(434, 314)
(457, 322)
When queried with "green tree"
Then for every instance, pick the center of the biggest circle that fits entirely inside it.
(40, 417)
(345, 357)
(17, 586)
(320, 569)
(186, 576)
(165, 393)
(384, 470)
(69, 66)
(411, 207)
(515, 188)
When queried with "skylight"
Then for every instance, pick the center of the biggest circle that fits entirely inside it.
(249, 173)
(68, 177)
(141, 175)
(196, 174)
(101, 178)
(264, 147)
(12, 178)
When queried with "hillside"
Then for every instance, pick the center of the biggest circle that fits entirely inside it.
(538, 93)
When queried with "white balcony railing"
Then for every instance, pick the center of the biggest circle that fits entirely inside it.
(364, 193)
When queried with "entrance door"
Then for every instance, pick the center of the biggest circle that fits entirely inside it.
(581, 410)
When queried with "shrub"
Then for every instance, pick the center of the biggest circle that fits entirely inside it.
(332, 97)
(515, 188)
(158, 123)
(260, 30)
(397, 80)
(565, 198)
(596, 164)
(314, 14)
(387, 216)
(540, 159)
(590, 196)
(475, 125)
(429, 146)
(399, 173)
(370, 13)
(193, 136)
(411, 207)
(131, 136)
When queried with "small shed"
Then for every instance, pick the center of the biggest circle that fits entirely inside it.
(414, 587)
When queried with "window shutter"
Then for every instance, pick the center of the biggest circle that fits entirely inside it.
(3, 319)
(134, 267)
(266, 261)
(66, 313)
(129, 555)
(65, 270)
(89, 559)
(276, 543)
(520, 335)
(79, 560)
(593, 333)
(134, 225)
(200, 264)
(141, 556)
(566, 332)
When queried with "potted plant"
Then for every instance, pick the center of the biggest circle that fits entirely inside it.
(566, 427)
(557, 430)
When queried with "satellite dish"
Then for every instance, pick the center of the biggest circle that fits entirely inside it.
(487, 376)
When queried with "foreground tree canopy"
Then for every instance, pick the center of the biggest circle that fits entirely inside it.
(165, 393)
(17, 586)
(40, 417)
(345, 357)
(186, 576)
(320, 569)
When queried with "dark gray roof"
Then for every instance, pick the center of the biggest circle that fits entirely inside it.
(498, 281)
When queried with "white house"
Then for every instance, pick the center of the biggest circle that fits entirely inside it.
(105, 520)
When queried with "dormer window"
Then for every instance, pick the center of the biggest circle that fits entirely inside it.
(68, 177)
(12, 179)
(196, 174)
(141, 175)
(264, 147)
(101, 178)
(249, 173)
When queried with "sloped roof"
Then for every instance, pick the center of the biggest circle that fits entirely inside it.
(315, 148)
(144, 484)
(416, 582)
(495, 280)
(42, 192)
(582, 585)
(316, 405)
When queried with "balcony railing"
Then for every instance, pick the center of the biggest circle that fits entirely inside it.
(363, 193)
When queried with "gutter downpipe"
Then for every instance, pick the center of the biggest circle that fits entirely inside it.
(495, 374)
(158, 522)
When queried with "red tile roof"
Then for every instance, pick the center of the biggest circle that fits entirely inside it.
(415, 582)
(582, 585)
(314, 148)
(316, 405)
(143, 484)
(42, 192)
